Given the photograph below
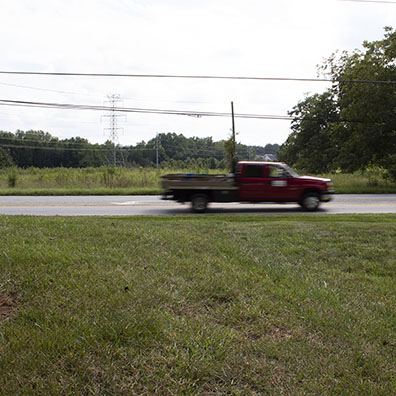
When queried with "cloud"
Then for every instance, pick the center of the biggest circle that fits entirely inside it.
(282, 38)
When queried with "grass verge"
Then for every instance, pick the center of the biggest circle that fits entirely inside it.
(80, 191)
(297, 305)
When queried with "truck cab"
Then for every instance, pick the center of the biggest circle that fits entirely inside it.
(276, 182)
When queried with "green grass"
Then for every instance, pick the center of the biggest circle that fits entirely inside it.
(199, 305)
(361, 183)
(78, 179)
(136, 181)
(71, 179)
(80, 191)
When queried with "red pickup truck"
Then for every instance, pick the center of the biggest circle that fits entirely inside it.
(252, 182)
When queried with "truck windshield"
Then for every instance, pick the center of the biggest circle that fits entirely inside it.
(291, 171)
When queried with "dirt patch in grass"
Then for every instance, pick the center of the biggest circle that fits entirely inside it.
(7, 304)
(279, 333)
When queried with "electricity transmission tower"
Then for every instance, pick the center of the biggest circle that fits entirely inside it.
(116, 157)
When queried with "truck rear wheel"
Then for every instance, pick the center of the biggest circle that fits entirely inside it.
(199, 203)
(310, 202)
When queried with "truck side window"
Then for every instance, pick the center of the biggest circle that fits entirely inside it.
(253, 171)
(276, 172)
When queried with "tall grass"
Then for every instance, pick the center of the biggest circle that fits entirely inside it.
(64, 178)
(108, 180)
(86, 180)
(361, 182)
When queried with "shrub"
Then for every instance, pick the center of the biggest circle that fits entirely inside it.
(12, 179)
(374, 174)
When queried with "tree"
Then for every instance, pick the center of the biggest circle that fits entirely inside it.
(40, 149)
(369, 136)
(353, 125)
(5, 159)
(309, 146)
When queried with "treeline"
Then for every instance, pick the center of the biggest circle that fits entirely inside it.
(351, 126)
(42, 150)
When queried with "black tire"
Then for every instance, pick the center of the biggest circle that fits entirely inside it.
(310, 202)
(199, 203)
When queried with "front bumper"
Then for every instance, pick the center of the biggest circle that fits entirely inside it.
(327, 196)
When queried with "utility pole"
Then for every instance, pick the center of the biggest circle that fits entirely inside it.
(117, 157)
(233, 140)
(157, 142)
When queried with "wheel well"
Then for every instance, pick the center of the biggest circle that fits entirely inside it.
(186, 195)
(194, 192)
(309, 191)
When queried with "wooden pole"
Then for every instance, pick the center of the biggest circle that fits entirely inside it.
(233, 140)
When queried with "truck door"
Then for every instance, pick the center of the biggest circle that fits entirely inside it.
(252, 182)
(280, 185)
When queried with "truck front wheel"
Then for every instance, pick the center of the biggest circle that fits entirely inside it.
(199, 203)
(310, 202)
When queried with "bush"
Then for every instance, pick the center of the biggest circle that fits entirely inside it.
(374, 175)
(12, 179)
(391, 168)
(115, 177)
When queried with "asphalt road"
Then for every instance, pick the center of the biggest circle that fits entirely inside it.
(153, 205)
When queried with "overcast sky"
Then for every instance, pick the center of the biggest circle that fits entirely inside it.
(262, 38)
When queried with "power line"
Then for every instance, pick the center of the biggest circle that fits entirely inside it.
(71, 148)
(197, 76)
(50, 90)
(61, 145)
(144, 99)
(48, 148)
(68, 106)
(123, 149)
(371, 1)
(67, 144)
(59, 142)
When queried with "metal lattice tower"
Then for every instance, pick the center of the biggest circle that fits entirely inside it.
(117, 157)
